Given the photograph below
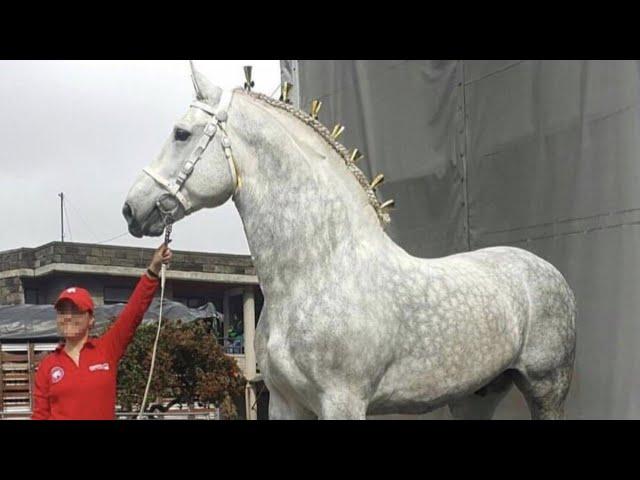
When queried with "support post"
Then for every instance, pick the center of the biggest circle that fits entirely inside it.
(226, 318)
(249, 315)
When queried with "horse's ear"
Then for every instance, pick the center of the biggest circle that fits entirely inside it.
(205, 90)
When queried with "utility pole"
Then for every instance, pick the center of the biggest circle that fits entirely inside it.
(61, 195)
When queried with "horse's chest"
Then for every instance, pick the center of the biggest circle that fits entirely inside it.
(272, 349)
(280, 368)
(307, 354)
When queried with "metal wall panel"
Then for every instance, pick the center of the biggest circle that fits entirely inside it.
(542, 155)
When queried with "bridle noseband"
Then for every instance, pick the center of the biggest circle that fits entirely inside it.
(218, 122)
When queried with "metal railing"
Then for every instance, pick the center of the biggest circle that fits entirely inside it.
(230, 345)
(15, 416)
(170, 415)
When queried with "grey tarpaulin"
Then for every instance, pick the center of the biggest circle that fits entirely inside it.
(542, 155)
(38, 322)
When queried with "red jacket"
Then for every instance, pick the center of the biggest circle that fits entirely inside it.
(66, 391)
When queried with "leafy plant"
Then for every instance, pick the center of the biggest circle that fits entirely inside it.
(190, 367)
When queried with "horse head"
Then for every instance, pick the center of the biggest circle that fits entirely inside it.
(194, 170)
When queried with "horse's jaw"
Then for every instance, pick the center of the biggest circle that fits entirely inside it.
(151, 226)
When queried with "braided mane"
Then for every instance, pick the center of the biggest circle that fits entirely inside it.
(340, 149)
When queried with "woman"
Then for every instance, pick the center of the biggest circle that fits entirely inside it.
(78, 380)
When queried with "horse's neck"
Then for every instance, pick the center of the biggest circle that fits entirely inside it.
(298, 202)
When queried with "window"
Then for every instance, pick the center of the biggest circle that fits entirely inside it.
(191, 302)
(116, 295)
(31, 296)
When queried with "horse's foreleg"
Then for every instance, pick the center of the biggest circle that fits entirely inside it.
(342, 406)
(281, 408)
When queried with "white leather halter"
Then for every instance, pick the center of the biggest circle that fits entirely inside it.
(218, 120)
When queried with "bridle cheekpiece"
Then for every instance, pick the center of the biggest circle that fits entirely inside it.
(218, 120)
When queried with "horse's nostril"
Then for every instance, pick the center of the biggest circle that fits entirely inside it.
(127, 213)
(134, 228)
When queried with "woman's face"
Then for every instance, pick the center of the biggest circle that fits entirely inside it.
(72, 323)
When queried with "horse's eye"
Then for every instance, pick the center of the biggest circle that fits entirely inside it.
(181, 135)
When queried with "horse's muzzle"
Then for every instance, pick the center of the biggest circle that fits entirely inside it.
(134, 227)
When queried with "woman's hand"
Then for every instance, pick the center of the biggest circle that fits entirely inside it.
(162, 255)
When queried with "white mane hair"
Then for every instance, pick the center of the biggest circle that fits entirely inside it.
(340, 149)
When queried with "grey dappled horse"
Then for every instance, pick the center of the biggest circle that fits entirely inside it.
(352, 324)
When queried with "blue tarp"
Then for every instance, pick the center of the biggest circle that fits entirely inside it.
(38, 322)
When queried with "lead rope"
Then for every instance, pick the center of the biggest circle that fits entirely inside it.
(163, 270)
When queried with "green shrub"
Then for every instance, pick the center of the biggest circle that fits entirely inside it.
(190, 367)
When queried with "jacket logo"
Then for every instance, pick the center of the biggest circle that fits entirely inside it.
(57, 373)
(99, 366)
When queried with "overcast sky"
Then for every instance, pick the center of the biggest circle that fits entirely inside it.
(87, 128)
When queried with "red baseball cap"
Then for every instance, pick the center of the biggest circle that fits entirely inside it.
(79, 296)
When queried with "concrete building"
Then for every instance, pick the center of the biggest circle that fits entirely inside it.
(37, 275)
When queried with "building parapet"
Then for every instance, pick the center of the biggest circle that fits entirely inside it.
(119, 260)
